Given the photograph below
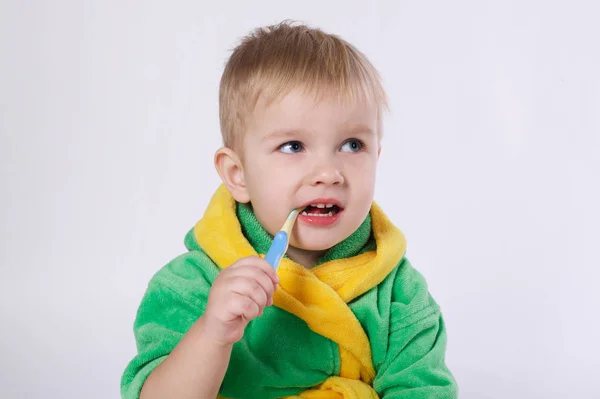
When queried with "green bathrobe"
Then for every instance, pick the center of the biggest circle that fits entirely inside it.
(302, 345)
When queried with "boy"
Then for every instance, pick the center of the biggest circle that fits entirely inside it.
(345, 315)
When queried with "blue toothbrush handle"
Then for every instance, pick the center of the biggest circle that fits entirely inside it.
(277, 249)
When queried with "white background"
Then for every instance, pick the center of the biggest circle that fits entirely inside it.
(491, 167)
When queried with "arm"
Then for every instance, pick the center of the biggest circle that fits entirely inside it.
(191, 315)
(183, 374)
(414, 366)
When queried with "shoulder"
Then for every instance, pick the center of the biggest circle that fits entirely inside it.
(189, 276)
(408, 282)
(410, 296)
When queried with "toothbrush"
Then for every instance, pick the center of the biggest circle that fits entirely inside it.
(281, 240)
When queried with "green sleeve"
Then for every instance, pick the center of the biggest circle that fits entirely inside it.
(175, 298)
(270, 361)
(414, 366)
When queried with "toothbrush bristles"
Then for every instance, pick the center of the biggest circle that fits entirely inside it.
(289, 223)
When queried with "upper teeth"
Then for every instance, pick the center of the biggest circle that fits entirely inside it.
(322, 205)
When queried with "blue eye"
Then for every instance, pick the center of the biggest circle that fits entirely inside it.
(291, 147)
(352, 145)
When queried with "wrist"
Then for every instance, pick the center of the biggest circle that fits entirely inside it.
(206, 336)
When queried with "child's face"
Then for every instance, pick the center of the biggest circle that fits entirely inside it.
(299, 152)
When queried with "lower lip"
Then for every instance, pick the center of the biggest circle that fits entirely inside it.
(320, 220)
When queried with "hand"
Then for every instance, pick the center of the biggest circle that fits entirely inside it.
(239, 294)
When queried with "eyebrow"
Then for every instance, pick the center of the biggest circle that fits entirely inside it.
(353, 129)
(358, 129)
(284, 133)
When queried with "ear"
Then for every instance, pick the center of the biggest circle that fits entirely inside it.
(379, 151)
(230, 168)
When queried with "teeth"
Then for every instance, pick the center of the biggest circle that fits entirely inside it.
(321, 205)
(328, 214)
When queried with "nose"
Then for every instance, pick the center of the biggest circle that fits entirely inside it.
(326, 173)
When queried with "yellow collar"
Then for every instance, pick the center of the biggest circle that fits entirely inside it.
(318, 296)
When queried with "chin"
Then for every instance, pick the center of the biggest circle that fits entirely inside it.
(313, 243)
(314, 248)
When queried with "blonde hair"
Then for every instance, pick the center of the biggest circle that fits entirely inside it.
(272, 60)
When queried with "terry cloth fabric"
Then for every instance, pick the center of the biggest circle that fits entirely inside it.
(360, 324)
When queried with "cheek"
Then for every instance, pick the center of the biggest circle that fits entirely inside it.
(362, 167)
(270, 185)
(361, 176)
(271, 176)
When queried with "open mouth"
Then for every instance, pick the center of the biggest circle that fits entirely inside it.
(321, 210)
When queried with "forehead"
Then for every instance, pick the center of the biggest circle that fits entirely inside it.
(301, 110)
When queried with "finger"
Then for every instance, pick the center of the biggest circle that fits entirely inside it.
(253, 272)
(268, 269)
(244, 262)
(261, 264)
(250, 287)
(243, 306)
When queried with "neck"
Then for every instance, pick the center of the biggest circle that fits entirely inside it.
(306, 258)
(260, 240)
